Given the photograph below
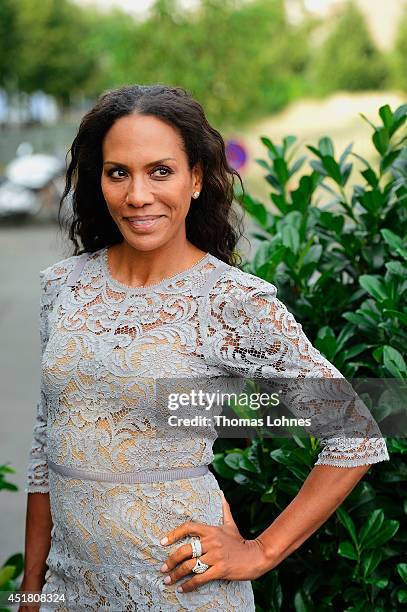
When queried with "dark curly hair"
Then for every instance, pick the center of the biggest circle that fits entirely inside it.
(212, 224)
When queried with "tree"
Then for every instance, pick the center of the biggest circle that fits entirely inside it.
(348, 59)
(9, 39)
(52, 54)
(400, 55)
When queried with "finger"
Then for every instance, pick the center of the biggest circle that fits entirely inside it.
(185, 568)
(179, 555)
(198, 580)
(227, 514)
(187, 528)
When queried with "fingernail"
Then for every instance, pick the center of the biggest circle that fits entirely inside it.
(164, 568)
(164, 541)
(179, 589)
(167, 579)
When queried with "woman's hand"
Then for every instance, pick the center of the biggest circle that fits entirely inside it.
(227, 553)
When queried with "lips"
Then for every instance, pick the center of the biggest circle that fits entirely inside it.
(146, 222)
(145, 218)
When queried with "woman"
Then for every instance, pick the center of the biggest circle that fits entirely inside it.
(125, 517)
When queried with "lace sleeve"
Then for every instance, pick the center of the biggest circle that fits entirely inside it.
(251, 333)
(37, 472)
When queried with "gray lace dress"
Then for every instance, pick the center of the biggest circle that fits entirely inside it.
(103, 343)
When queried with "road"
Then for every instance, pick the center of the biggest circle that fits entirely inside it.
(25, 250)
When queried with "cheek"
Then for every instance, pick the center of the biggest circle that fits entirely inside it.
(113, 192)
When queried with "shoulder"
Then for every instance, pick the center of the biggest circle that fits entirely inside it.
(235, 284)
(55, 275)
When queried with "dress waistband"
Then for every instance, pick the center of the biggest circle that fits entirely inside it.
(157, 475)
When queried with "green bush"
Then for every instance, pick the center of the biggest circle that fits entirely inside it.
(340, 267)
(13, 567)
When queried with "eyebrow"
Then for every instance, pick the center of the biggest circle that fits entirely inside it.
(158, 161)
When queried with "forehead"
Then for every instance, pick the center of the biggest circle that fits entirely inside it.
(145, 136)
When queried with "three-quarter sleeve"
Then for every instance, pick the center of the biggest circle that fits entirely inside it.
(37, 472)
(251, 333)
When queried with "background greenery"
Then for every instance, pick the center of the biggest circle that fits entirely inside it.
(262, 63)
(341, 269)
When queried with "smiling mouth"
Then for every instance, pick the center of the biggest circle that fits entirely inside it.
(143, 222)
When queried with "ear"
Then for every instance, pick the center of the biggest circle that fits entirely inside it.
(197, 177)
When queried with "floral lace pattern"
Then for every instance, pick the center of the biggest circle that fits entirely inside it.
(104, 344)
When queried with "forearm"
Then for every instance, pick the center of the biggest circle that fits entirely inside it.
(37, 539)
(322, 492)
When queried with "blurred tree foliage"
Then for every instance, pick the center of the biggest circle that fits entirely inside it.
(239, 59)
(8, 42)
(51, 52)
(242, 60)
(348, 59)
(400, 55)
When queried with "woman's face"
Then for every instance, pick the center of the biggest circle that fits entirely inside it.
(146, 181)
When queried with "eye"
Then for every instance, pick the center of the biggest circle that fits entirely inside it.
(164, 168)
(112, 171)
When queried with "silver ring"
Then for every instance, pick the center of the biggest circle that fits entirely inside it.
(199, 567)
(196, 546)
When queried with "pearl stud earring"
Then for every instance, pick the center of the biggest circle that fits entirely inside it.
(195, 194)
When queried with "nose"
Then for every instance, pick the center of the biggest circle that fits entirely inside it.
(139, 192)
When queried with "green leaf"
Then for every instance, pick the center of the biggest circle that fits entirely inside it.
(303, 602)
(388, 159)
(381, 140)
(326, 342)
(17, 560)
(280, 201)
(371, 527)
(386, 116)
(270, 145)
(402, 570)
(392, 239)
(333, 169)
(373, 285)
(381, 583)
(297, 165)
(221, 468)
(396, 314)
(346, 549)
(370, 177)
(232, 460)
(288, 141)
(396, 268)
(378, 535)
(246, 464)
(6, 573)
(263, 164)
(326, 146)
(313, 255)
(370, 560)
(315, 151)
(281, 170)
(354, 350)
(255, 209)
(349, 525)
(291, 238)
(394, 362)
